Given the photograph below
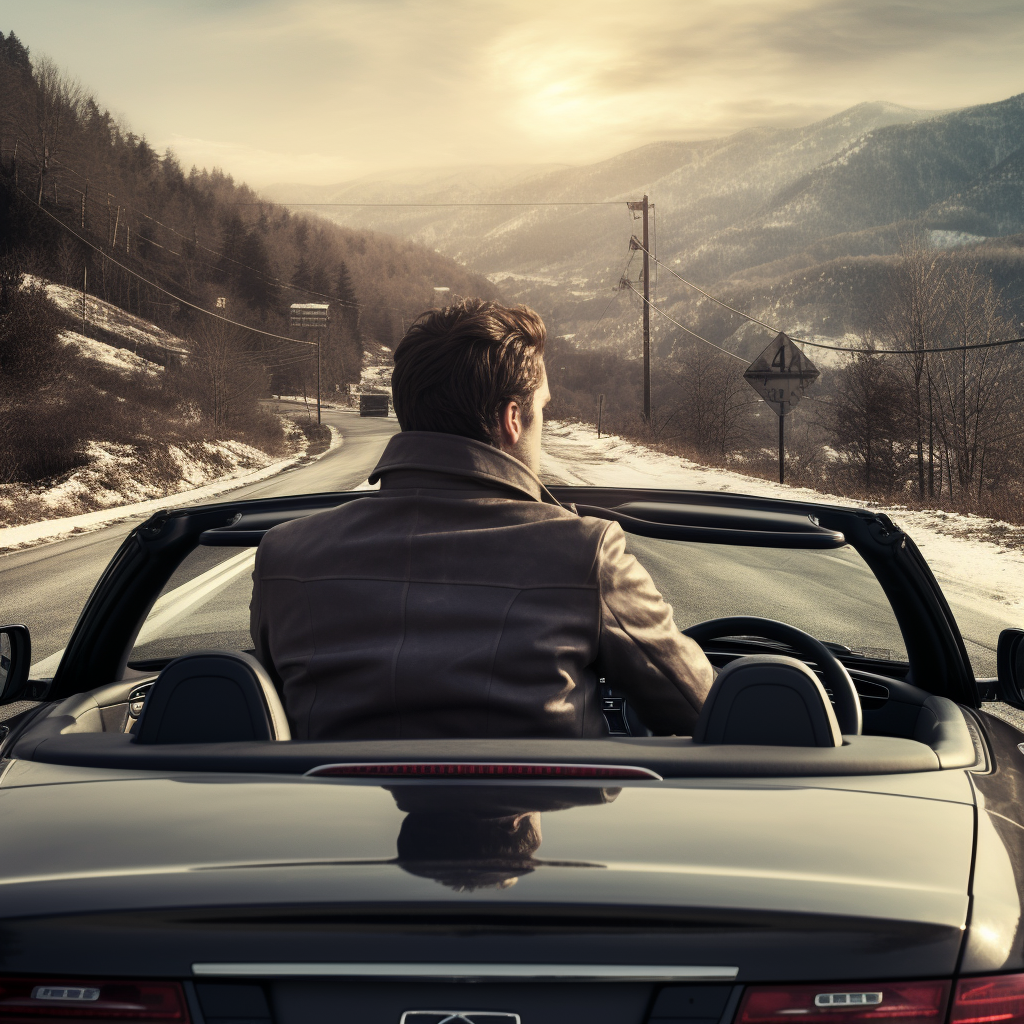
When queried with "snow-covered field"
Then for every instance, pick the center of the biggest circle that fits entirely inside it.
(116, 475)
(201, 486)
(105, 315)
(119, 475)
(978, 562)
(109, 355)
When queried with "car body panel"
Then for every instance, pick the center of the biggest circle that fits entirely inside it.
(147, 872)
(996, 938)
(883, 877)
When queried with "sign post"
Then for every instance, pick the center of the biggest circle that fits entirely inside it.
(780, 375)
(312, 314)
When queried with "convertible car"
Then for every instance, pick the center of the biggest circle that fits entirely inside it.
(841, 840)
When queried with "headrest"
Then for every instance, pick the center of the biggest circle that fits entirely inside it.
(771, 700)
(212, 697)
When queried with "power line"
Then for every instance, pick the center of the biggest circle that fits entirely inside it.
(836, 348)
(426, 206)
(164, 291)
(692, 334)
(352, 303)
(910, 351)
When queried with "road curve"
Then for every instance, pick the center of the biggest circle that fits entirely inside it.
(45, 587)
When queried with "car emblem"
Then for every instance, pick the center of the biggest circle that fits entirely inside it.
(458, 1017)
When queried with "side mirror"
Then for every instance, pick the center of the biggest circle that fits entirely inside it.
(15, 657)
(1010, 665)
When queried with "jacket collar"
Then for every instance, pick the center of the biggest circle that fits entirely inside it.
(452, 455)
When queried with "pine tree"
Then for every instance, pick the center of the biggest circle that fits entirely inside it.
(347, 296)
(318, 280)
(301, 276)
(16, 55)
(256, 286)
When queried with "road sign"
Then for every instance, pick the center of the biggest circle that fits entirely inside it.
(781, 374)
(310, 314)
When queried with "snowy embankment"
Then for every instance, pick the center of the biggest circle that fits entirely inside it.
(119, 480)
(978, 562)
(123, 328)
(116, 358)
(198, 485)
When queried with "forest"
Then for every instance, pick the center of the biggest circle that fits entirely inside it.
(86, 202)
(924, 409)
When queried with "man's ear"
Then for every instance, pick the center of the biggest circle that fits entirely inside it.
(511, 424)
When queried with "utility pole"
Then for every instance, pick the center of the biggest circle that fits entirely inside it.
(643, 207)
(600, 410)
(85, 285)
(647, 317)
(306, 315)
(318, 376)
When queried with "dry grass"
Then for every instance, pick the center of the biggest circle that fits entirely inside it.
(71, 425)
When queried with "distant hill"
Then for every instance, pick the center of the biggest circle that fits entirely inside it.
(700, 188)
(888, 175)
(198, 234)
(750, 215)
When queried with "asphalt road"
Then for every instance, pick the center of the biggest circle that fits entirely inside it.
(45, 587)
(830, 594)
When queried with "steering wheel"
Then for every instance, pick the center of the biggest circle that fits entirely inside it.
(837, 679)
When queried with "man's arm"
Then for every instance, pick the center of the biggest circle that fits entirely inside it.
(664, 674)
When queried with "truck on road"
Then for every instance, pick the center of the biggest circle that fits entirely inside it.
(374, 405)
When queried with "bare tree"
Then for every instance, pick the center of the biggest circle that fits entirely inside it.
(977, 391)
(868, 424)
(222, 379)
(58, 105)
(910, 314)
(707, 401)
(68, 259)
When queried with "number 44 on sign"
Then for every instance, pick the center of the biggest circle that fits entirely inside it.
(781, 374)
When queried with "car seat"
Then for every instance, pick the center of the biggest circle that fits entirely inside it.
(212, 697)
(771, 700)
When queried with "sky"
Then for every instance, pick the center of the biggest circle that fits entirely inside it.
(324, 91)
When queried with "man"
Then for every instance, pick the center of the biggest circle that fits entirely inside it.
(462, 599)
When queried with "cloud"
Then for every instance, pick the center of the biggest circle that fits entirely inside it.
(318, 90)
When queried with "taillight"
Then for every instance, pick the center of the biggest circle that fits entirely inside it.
(824, 1003)
(986, 1000)
(478, 770)
(34, 1000)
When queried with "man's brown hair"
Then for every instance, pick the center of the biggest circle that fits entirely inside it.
(457, 368)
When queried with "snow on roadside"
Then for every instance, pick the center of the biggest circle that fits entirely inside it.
(116, 475)
(198, 488)
(968, 554)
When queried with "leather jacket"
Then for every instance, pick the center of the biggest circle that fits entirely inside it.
(461, 600)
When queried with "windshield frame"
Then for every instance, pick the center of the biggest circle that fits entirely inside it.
(105, 633)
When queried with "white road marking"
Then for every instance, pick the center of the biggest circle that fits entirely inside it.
(172, 605)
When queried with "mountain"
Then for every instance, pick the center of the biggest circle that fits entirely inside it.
(80, 192)
(700, 188)
(886, 176)
(760, 215)
(992, 204)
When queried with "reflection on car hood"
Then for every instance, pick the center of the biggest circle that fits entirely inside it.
(195, 840)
